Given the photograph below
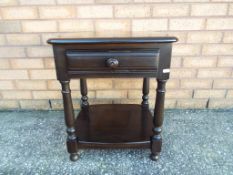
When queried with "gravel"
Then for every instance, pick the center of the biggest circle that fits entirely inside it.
(194, 142)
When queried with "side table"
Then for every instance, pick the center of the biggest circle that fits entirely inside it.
(113, 125)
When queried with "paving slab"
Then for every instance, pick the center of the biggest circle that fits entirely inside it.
(195, 142)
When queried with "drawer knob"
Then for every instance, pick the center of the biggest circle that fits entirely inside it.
(112, 62)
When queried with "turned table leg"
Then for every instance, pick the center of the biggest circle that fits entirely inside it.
(69, 120)
(145, 105)
(156, 140)
(145, 91)
(83, 88)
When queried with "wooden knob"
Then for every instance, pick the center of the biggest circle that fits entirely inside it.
(112, 62)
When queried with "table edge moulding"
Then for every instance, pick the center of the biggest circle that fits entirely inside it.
(113, 125)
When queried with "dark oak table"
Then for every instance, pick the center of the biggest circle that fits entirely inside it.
(113, 125)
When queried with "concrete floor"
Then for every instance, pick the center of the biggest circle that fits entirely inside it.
(195, 142)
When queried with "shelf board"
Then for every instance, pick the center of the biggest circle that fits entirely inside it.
(114, 125)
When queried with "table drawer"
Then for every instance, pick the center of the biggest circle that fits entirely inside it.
(112, 60)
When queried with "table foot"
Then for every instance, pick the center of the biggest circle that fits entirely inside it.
(74, 157)
(154, 157)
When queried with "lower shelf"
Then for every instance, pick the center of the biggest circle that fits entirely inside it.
(114, 125)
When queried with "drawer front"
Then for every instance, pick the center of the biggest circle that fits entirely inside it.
(112, 60)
